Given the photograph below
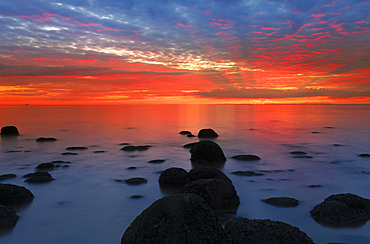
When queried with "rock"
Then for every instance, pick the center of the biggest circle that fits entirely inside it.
(39, 179)
(76, 148)
(8, 217)
(45, 166)
(247, 173)
(246, 157)
(99, 151)
(207, 133)
(315, 186)
(135, 148)
(69, 153)
(207, 173)
(178, 218)
(364, 155)
(258, 231)
(9, 131)
(132, 168)
(302, 156)
(157, 161)
(7, 176)
(136, 196)
(11, 195)
(173, 178)
(190, 135)
(190, 145)
(284, 202)
(298, 153)
(219, 194)
(185, 132)
(342, 209)
(207, 150)
(38, 173)
(136, 181)
(45, 139)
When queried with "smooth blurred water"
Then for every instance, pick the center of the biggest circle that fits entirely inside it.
(86, 205)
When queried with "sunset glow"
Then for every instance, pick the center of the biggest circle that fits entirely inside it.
(211, 51)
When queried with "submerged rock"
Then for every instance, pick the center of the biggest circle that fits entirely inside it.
(7, 176)
(284, 202)
(157, 161)
(38, 177)
(247, 173)
(219, 194)
(9, 130)
(173, 178)
(342, 209)
(131, 148)
(45, 139)
(298, 153)
(258, 231)
(246, 157)
(8, 217)
(364, 155)
(136, 181)
(11, 195)
(76, 148)
(185, 132)
(190, 145)
(178, 218)
(207, 173)
(45, 166)
(207, 150)
(207, 133)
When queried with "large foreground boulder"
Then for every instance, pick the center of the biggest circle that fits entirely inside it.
(8, 217)
(207, 151)
(178, 218)
(173, 178)
(258, 231)
(11, 195)
(342, 209)
(9, 130)
(219, 194)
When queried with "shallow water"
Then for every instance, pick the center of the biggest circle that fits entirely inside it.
(86, 205)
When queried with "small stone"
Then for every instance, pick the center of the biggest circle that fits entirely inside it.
(247, 173)
(157, 161)
(298, 153)
(7, 176)
(364, 155)
(246, 157)
(185, 132)
(45, 166)
(76, 148)
(136, 181)
(281, 201)
(46, 139)
(136, 197)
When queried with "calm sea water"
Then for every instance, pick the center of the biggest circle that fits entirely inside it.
(84, 204)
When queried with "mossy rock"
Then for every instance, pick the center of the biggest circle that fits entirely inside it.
(178, 218)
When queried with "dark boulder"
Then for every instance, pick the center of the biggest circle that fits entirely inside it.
(136, 181)
(45, 139)
(173, 178)
(157, 161)
(207, 150)
(38, 173)
(298, 153)
(69, 153)
(258, 231)
(131, 148)
(76, 148)
(247, 173)
(219, 194)
(9, 131)
(185, 132)
(178, 218)
(246, 157)
(364, 155)
(45, 166)
(284, 202)
(207, 173)
(207, 133)
(11, 195)
(8, 217)
(7, 176)
(190, 145)
(136, 196)
(38, 177)
(342, 209)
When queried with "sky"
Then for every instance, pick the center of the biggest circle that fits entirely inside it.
(184, 51)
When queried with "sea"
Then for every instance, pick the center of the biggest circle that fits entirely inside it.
(89, 201)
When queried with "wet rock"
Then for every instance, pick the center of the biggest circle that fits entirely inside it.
(302, 156)
(185, 132)
(173, 178)
(207, 133)
(38, 173)
(76, 148)
(207, 173)
(178, 218)
(219, 194)
(342, 209)
(8, 217)
(136, 196)
(247, 173)
(315, 186)
(190, 145)
(190, 135)
(157, 161)
(69, 153)
(364, 155)
(45, 166)
(246, 157)
(298, 153)
(207, 150)
(7, 176)
(38, 177)
(284, 202)
(136, 181)
(99, 151)
(11, 195)
(10, 130)
(258, 231)
(132, 168)
(46, 139)
(337, 145)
